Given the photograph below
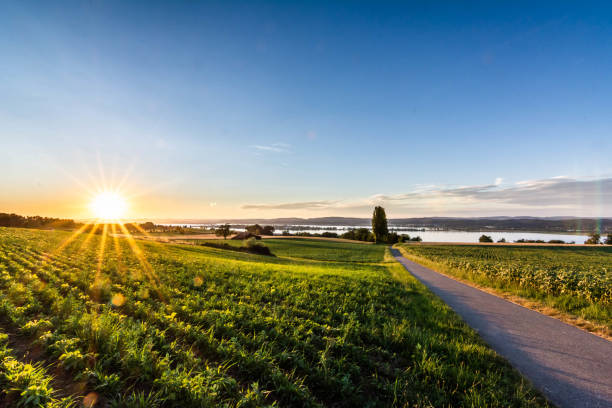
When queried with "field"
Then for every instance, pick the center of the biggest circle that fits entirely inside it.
(319, 249)
(576, 280)
(121, 323)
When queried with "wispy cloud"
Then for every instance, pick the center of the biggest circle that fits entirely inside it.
(554, 196)
(305, 205)
(274, 148)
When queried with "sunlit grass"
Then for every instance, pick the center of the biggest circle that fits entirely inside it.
(211, 327)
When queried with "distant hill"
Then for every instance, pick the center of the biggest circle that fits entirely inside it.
(552, 224)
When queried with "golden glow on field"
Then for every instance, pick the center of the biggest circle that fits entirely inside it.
(107, 202)
(108, 206)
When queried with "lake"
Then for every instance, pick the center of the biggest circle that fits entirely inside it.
(433, 235)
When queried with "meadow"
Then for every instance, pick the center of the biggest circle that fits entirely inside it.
(111, 322)
(575, 280)
(319, 249)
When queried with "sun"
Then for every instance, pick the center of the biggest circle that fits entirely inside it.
(108, 206)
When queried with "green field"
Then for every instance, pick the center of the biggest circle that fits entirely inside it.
(318, 249)
(191, 326)
(577, 280)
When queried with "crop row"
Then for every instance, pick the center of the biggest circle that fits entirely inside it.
(579, 272)
(196, 327)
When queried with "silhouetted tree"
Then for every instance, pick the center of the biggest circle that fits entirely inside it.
(608, 240)
(380, 229)
(593, 239)
(485, 238)
(267, 230)
(393, 238)
(147, 226)
(223, 231)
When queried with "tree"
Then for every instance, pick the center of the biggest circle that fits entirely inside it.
(608, 240)
(223, 230)
(485, 238)
(259, 230)
(267, 230)
(593, 239)
(147, 226)
(393, 238)
(380, 229)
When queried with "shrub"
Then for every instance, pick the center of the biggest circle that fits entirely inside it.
(392, 238)
(485, 238)
(593, 239)
(359, 234)
(256, 247)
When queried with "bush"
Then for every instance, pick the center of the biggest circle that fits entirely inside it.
(593, 239)
(259, 230)
(608, 240)
(257, 247)
(392, 238)
(359, 234)
(329, 235)
(485, 238)
(252, 246)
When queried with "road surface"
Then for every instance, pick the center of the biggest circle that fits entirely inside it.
(571, 367)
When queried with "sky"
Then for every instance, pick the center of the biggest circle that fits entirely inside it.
(286, 109)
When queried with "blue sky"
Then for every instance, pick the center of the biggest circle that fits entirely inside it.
(265, 109)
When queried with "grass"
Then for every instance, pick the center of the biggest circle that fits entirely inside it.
(320, 250)
(206, 327)
(574, 280)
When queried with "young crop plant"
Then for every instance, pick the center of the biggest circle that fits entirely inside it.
(577, 280)
(320, 324)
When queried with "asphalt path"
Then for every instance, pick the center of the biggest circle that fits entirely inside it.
(571, 367)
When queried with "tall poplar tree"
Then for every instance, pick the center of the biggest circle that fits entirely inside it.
(379, 224)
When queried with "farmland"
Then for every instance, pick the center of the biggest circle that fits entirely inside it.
(576, 280)
(321, 250)
(121, 323)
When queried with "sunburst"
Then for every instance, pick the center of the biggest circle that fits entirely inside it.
(108, 205)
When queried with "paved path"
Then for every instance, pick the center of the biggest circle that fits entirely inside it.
(571, 367)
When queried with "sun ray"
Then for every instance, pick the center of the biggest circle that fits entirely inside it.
(47, 257)
(100, 261)
(141, 258)
(101, 171)
(139, 228)
(89, 236)
(117, 248)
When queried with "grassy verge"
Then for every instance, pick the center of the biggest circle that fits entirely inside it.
(190, 326)
(571, 283)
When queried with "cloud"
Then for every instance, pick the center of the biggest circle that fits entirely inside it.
(274, 148)
(305, 205)
(553, 196)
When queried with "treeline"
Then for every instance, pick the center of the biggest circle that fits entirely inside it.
(36, 221)
(255, 230)
(357, 234)
(594, 239)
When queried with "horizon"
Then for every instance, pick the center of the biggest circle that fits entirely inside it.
(260, 110)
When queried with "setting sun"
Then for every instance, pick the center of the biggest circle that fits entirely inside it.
(108, 206)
